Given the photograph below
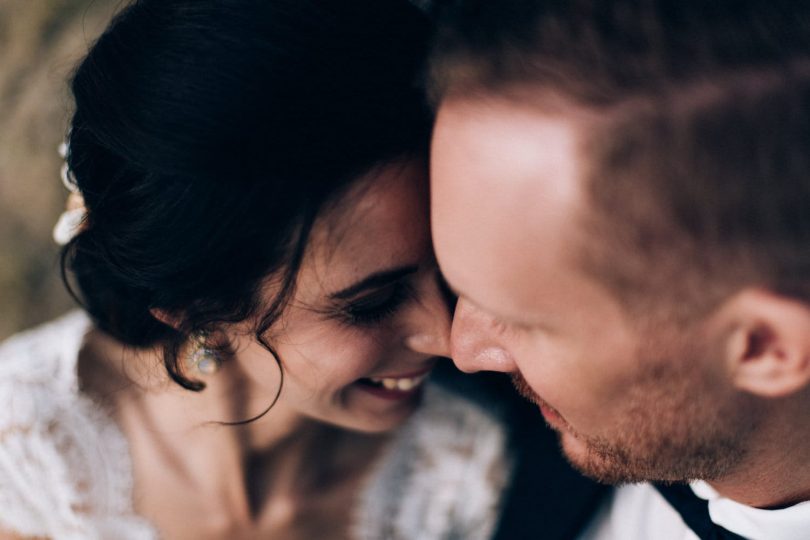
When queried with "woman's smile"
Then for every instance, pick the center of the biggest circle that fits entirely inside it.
(394, 387)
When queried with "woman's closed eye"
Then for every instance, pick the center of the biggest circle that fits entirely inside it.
(377, 306)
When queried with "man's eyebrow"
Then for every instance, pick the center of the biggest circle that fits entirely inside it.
(377, 279)
(479, 307)
(450, 288)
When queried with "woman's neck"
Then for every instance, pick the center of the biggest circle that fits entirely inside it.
(116, 375)
(256, 476)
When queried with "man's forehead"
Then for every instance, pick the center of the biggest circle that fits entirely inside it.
(504, 186)
(505, 153)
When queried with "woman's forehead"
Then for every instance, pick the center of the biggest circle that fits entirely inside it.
(382, 222)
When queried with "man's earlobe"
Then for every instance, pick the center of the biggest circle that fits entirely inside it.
(767, 348)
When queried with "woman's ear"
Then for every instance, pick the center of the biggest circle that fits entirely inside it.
(767, 347)
(169, 319)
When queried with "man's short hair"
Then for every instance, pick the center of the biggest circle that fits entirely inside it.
(698, 157)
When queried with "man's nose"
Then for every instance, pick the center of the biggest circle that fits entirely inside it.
(475, 344)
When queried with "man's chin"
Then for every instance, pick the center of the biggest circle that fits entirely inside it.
(596, 465)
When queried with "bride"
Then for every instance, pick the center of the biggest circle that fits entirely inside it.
(248, 238)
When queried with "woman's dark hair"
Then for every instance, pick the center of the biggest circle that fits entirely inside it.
(208, 134)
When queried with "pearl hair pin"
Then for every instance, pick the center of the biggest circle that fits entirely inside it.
(72, 220)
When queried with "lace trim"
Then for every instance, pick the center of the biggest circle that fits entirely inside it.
(442, 476)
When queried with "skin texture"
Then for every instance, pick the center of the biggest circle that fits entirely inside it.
(290, 473)
(633, 398)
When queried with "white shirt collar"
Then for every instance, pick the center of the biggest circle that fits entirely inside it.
(791, 523)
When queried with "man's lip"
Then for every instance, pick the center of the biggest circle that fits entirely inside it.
(551, 416)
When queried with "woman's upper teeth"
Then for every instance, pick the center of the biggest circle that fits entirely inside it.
(402, 383)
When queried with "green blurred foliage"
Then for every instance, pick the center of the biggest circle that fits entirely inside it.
(40, 43)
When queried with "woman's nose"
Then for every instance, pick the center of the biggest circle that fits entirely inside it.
(431, 333)
(474, 343)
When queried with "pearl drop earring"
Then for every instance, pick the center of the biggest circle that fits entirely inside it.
(201, 358)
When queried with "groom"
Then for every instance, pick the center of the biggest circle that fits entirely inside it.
(621, 198)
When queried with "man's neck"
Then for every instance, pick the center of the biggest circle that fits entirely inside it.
(767, 493)
(776, 473)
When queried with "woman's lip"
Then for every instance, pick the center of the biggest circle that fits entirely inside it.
(403, 375)
(390, 395)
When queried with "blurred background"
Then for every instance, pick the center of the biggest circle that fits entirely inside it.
(40, 43)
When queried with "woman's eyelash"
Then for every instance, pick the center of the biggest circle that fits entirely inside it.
(377, 306)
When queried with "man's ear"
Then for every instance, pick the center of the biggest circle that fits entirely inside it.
(767, 347)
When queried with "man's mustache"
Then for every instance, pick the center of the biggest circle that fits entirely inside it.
(525, 390)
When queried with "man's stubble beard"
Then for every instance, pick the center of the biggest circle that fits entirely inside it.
(671, 427)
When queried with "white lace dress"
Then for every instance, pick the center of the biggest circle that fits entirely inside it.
(65, 470)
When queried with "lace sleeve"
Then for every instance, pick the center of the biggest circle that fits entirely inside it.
(64, 465)
(36, 494)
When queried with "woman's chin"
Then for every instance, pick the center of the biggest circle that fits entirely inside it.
(372, 411)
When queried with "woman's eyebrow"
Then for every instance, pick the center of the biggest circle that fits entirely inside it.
(383, 277)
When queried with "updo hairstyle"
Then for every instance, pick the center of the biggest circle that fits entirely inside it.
(207, 136)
